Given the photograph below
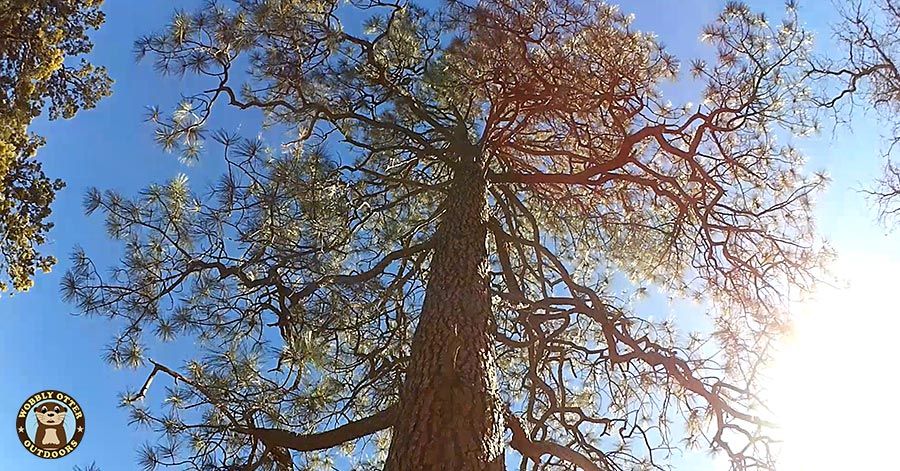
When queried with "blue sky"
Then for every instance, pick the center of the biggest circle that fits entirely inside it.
(44, 346)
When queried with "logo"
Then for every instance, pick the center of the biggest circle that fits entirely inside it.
(50, 424)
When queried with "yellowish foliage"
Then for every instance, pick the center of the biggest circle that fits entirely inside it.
(36, 38)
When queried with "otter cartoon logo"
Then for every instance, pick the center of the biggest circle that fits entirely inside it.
(50, 424)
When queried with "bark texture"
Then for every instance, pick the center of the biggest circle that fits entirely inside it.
(450, 413)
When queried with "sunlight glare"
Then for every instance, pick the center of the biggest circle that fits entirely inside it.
(834, 383)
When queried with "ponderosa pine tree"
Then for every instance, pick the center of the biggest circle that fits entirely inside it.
(429, 272)
(36, 38)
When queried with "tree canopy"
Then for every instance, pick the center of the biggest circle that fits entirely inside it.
(36, 38)
(465, 208)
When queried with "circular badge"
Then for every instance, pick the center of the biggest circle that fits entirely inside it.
(50, 424)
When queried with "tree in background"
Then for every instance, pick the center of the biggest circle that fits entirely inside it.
(867, 72)
(36, 38)
(432, 270)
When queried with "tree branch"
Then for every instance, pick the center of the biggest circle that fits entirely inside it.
(324, 440)
(536, 449)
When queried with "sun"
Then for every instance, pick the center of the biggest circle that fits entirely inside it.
(835, 383)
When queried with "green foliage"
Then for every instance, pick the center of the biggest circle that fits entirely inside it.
(36, 38)
(302, 272)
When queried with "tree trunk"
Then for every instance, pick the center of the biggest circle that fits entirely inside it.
(450, 413)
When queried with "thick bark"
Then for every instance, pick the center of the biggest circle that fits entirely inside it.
(450, 414)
